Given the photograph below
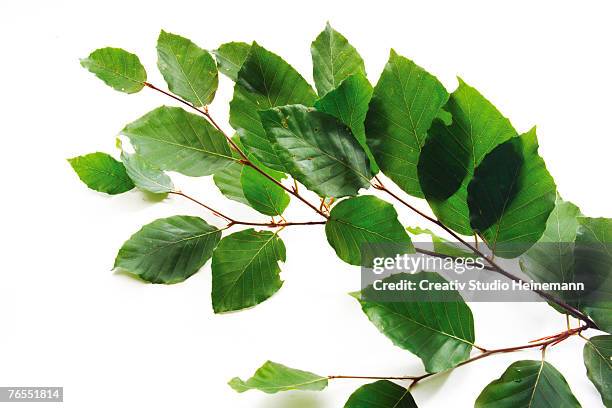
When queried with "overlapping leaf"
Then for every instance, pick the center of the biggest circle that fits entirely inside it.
(452, 152)
(265, 81)
(245, 269)
(168, 250)
(333, 60)
(230, 57)
(190, 71)
(274, 377)
(441, 245)
(119, 69)
(101, 172)
(145, 176)
(349, 103)
(365, 227)
(262, 194)
(528, 384)
(511, 196)
(598, 361)
(406, 100)
(317, 150)
(440, 332)
(173, 139)
(381, 394)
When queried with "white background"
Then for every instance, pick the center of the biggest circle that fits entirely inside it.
(68, 320)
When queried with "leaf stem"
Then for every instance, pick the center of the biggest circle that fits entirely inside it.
(494, 266)
(244, 158)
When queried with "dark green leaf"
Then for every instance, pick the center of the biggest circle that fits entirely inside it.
(511, 196)
(453, 150)
(190, 71)
(172, 139)
(230, 57)
(262, 194)
(145, 176)
(168, 250)
(333, 60)
(551, 259)
(593, 267)
(264, 81)
(365, 227)
(273, 377)
(349, 103)
(528, 384)
(381, 394)
(440, 332)
(405, 102)
(101, 172)
(245, 269)
(598, 361)
(118, 69)
(317, 150)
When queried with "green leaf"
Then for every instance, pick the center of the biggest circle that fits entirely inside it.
(528, 384)
(172, 139)
(511, 196)
(365, 227)
(168, 250)
(405, 102)
(440, 332)
(118, 69)
(317, 150)
(189, 71)
(441, 245)
(349, 103)
(333, 60)
(381, 394)
(228, 182)
(453, 150)
(598, 361)
(145, 176)
(273, 377)
(265, 81)
(593, 267)
(245, 269)
(551, 259)
(262, 194)
(230, 57)
(101, 172)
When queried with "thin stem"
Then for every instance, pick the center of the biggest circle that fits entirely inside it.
(542, 344)
(244, 158)
(495, 267)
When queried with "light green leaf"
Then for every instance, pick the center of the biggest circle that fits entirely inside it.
(273, 377)
(145, 176)
(228, 182)
(172, 139)
(317, 150)
(381, 394)
(168, 250)
(441, 245)
(551, 259)
(333, 60)
(511, 196)
(230, 57)
(189, 71)
(349, 103)
(264, 81)
(453, 150)
(262, 194)
(593, 267)
(118, 69)
(245, 269)
(528, 384)
(364, 227)
(405, 102)
(101, 172)
(598, 361)
(440, 332)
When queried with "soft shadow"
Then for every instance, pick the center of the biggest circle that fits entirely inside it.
(292, 400)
